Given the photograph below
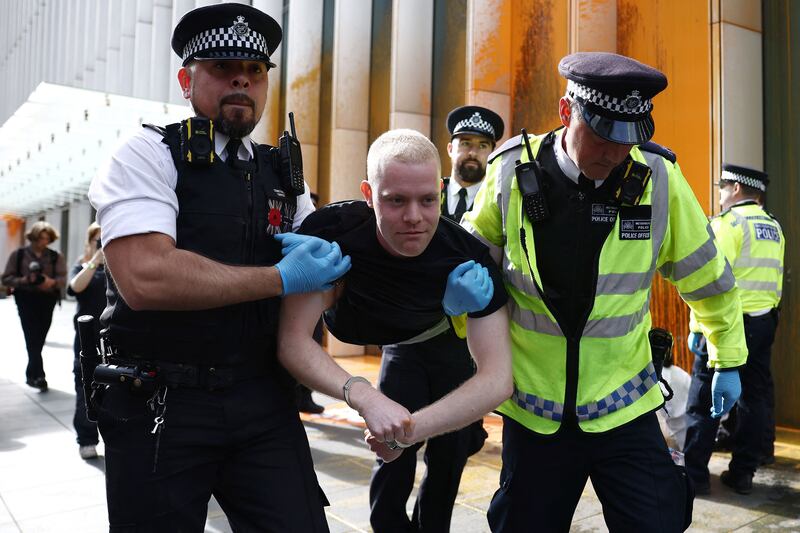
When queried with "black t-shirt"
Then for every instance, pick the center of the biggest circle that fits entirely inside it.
(92, 299)
(389, 299)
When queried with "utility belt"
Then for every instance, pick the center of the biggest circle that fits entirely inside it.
(145, 374)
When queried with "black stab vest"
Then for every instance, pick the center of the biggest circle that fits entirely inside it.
(228, 215)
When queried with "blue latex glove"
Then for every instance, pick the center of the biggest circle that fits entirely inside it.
(469, 289)
(697, 344)
(725, 390)
(309, 263)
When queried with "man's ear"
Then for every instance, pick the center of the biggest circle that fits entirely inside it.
(366, 191)
(450, 148)
(185, 80)
(564, 111)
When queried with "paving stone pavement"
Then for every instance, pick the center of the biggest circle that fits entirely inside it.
(46, 487)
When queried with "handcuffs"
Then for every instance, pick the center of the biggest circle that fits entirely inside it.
(391, 444)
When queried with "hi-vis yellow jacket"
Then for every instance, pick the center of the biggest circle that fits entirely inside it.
(616, 378)
(753, 244)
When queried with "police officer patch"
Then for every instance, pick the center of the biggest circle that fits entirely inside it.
(767, 232)
(634, 222)
(604, 213)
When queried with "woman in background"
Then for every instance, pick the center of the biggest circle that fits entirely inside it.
(88, 285)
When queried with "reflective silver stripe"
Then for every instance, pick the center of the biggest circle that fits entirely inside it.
(429, 333)
(496, 252)
(536, 322)
(625, 395)
(659, 199)
(520, 281)
(508, 162)
(538, 406)
(763, 262)
(623, 283)
(758, 285)
(693, 262)
(615, 326)
(722, 284)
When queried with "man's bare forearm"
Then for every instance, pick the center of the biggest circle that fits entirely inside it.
(488, 388)
(315, 368)
(151, 274)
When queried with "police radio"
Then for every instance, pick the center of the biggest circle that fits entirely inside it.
(635, 177)
(529, 180)
(291, 160)
(197, 141)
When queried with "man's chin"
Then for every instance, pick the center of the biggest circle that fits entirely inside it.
(235, 128)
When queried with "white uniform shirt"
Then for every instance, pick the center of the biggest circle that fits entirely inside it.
(452, 194)
(566, 164)
(134, 192)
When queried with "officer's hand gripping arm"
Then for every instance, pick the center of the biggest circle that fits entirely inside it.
(309, 263)
(469, 289)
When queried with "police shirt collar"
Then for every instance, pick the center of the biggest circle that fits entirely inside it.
(472, 190)
(221, 140)
(565, 163)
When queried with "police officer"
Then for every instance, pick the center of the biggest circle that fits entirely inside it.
(474, 130)
(194, 248)
(753, 244)
(580, 222)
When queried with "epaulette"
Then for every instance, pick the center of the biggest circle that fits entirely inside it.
(513, 142)
(158, 129)
(663, 151)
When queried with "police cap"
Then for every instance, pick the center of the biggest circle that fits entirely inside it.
(615, 94)
(746, 176)
(475, 120)
(226, 31)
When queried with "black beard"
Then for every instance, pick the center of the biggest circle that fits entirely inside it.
(236, 129)
(236, 126)
(470, 175)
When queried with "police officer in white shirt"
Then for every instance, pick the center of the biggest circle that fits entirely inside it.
(474, 131)
(199, 246)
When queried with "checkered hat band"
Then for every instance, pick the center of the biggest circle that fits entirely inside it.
(480, 125)
(625, 395)
(606, 101)
(727, 175)
(225, 38)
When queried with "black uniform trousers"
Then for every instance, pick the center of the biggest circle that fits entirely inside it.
(640, 488)
(752, 407)
(35, 314)
(416, 375)
(85, 428)
(244, 444)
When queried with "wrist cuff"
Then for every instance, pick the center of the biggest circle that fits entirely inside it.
(349, 384)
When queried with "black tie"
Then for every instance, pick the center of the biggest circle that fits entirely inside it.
(585, 184)
(232, 151)
(461, 206)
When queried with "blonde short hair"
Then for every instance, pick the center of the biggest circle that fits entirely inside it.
(402, 145)
(42, 227)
